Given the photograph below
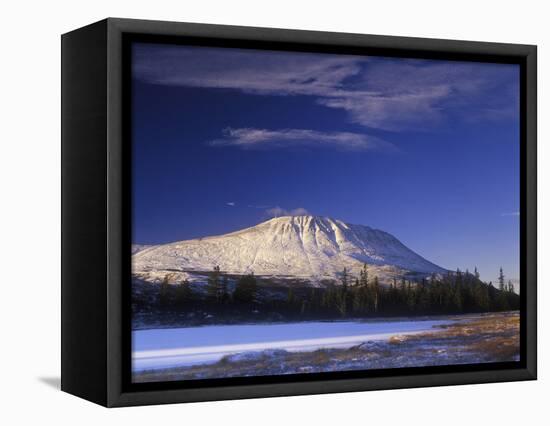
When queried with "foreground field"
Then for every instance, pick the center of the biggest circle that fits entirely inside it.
(465, 339)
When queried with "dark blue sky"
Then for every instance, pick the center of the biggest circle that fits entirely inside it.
(426, 150)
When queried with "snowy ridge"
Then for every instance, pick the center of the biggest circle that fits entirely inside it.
(139, 247)
(307, 247)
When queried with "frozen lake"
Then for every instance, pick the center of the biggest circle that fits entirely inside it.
(171, 347)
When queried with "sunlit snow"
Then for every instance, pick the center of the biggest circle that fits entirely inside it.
(292, 246)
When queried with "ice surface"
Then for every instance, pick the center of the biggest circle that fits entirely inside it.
(162, 348)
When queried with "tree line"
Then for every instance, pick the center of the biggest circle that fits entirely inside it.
(217, 290)
(456, 292)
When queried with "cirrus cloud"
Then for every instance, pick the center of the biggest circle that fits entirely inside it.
(383, 93)
(249, 138)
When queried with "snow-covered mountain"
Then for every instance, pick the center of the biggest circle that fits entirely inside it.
(139, 247)
(299, 247)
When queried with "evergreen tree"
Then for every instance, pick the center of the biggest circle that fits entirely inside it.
(502, 300)
(356, 296)
(214, 285)
(364, 276)
(375, 293)
(501, 280)
(423, 296)
(345, 280)
(164, 294)
(246, 289)
(342, 299)
(476, 273)
(435, 295)
(184, 293)
(224, 289)
(457, 291)
(409, 297)
(329, 298)
(290, 298)
(313, 300)
(402, 293)
(392, 292)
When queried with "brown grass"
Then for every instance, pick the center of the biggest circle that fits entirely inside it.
(492, 335)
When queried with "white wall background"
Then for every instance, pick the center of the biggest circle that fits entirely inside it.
(30, 200)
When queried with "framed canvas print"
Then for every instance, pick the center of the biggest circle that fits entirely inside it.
(253, 212)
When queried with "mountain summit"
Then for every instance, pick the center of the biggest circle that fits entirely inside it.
(305, 247)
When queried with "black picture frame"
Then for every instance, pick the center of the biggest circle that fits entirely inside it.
(96, 212)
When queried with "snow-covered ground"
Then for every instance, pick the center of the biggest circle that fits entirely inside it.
(163, 348)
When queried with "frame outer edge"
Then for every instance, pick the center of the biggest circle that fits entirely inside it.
(314, 36)
(83, 235)
(114, 214)
(531, 208)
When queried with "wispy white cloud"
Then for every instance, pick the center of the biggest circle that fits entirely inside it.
(248, 138)
(258, 206)
(278, 212)
(390, 94)
(396, 111)
(420, 94)
(231, 203)
(510, 214)
(251, 71)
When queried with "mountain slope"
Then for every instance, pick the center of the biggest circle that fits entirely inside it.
(306, 247)
(139, 247)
